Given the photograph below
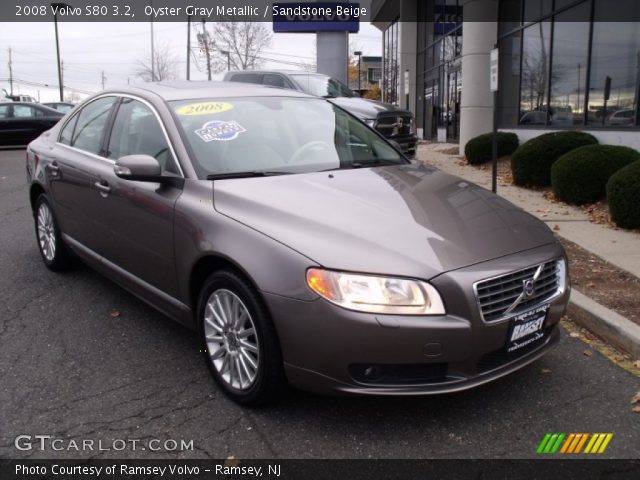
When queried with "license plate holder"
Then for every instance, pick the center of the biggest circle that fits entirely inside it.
(526, 328)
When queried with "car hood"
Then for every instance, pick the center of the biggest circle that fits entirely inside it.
(407, 220)
(364, 108)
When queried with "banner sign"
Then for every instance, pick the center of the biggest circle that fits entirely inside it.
(317, 17)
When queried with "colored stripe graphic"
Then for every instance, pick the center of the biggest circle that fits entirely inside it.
(573, 443)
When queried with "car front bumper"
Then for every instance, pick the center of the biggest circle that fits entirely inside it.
(328, 349)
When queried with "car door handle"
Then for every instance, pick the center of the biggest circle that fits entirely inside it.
(54, 169)
(103, 187)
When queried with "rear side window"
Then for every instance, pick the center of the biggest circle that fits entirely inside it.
(246, 77)
(67, 131)
(273, 80)
(4, 111)
(137, 131)
(89, 130)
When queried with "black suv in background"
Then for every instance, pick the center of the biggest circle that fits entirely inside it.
(392, 122)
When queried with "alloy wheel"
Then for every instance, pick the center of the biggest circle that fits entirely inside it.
(231, 339)
(46, 232)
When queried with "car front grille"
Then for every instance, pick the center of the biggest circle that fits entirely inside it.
(394, 125)
(505, 296)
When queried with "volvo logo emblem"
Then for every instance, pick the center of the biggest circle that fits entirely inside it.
(528, 288)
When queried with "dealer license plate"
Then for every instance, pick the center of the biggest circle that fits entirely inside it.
(526, 328)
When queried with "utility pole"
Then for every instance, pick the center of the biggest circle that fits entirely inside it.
(10, 73)
(55, 24)
(103, 79)
(205, 39)
(61, 80)
(188, 47)
(153, 56)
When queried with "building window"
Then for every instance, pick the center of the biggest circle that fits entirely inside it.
(571, 68)
(374, 75)
(615, 60)
(390, 62)
(534, 77)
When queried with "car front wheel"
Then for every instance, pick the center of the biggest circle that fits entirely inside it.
(239, 341)
(52, 249)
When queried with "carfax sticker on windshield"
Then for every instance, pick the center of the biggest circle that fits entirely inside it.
(220, 131)
(204, 108)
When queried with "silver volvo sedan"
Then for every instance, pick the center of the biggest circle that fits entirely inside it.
(299, 243)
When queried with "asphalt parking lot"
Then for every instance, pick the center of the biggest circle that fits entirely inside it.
(70, 369)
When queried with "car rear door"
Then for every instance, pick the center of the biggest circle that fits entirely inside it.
(138, 216)
(76, 160)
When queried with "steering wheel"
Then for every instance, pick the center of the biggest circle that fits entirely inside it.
(313, 147)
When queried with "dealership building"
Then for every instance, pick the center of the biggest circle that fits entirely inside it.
(563, 64)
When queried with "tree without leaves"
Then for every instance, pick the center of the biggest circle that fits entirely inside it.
(244, 41)
(164, 68)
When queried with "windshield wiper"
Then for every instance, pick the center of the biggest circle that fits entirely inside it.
(249, 174)
(367, 164)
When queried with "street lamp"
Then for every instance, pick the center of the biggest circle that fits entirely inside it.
(56, 7)
(226, 52)
(359, 54)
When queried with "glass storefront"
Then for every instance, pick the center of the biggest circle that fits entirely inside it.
(391, 64)
(439, 67)
(561, 67)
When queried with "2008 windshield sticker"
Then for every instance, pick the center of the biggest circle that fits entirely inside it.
(220, 131)
(204, 108)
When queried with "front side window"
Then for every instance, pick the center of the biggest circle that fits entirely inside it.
(137, 131)
(89, 130)
(284, 135)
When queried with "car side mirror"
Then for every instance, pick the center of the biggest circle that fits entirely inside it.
(142, 168)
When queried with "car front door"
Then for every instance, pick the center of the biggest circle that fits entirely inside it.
(5, 111)
(76, 160)
(139, 215)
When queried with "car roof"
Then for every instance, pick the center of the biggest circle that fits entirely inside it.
(188, 90)
(285, 72)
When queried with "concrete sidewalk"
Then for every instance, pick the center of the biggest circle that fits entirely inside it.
(618, 247)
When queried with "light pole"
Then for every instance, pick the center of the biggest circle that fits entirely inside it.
(56, 7)
(226, 52)
(359, 54)
(188, 47)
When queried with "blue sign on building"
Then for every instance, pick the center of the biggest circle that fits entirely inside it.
(305, 17)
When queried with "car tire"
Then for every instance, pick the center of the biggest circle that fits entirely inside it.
(239, 341)
(49, 240)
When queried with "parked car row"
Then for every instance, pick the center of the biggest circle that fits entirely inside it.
(21, 122)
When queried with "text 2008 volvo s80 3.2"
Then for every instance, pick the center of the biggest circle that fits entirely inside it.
(299, 243)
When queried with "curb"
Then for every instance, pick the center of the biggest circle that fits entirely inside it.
(607, 324)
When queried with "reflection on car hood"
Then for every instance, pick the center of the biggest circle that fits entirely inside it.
(405, 220)
(364, 108)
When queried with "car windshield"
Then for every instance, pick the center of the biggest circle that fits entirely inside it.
(277, 135)
(321, 85)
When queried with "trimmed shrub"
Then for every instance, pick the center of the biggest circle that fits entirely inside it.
(623, 195)
(581, 175)
(479, 149)
(531, 162)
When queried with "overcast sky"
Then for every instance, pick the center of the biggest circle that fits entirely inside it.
(87, 49)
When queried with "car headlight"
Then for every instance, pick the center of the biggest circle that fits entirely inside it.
(370, 121)
(373, 294)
